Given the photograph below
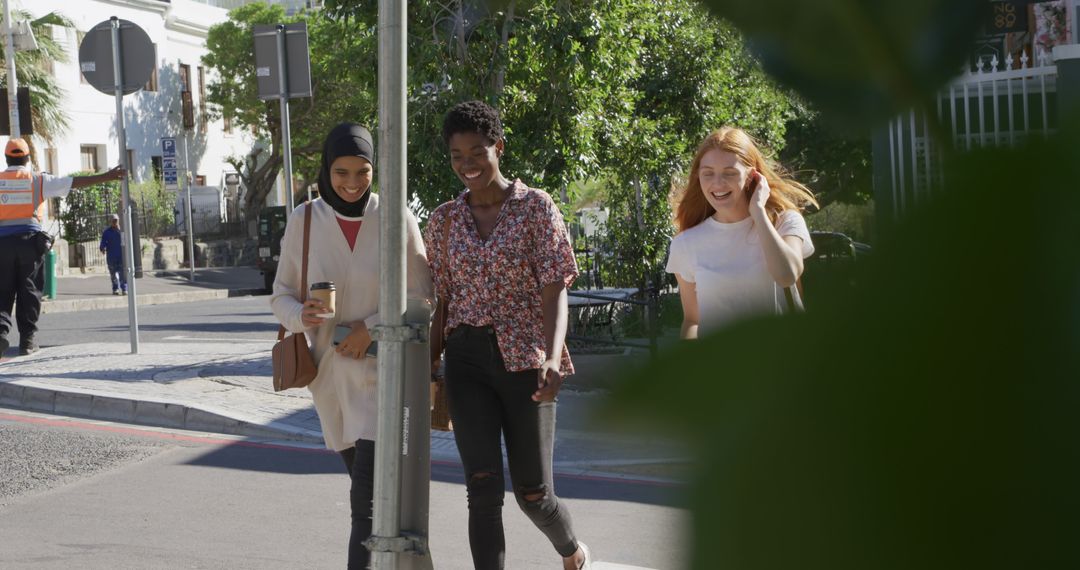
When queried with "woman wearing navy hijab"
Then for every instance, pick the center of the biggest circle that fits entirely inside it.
(344, 249)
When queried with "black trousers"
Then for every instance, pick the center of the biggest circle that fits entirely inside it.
(22, 279)
(360, 462)
(486, 402)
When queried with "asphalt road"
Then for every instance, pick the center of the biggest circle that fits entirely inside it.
(220, 319)
(80, 494)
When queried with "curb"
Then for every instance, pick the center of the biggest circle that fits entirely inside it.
(143, 412)
(118, 302)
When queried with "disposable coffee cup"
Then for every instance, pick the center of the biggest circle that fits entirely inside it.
(325, 292)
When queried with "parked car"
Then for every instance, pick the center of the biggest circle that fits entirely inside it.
(833, 263)
(271, 229)
(830, 246)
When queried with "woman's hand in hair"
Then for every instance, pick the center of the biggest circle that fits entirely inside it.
(759, 196)
(548, 381)
(356, 344)
(313, 308)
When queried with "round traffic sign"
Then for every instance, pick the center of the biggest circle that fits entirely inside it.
(136, 57)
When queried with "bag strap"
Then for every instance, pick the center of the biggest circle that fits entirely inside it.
(790, 300)
(442, 310)
(307, 242)
(788, 295)
(304, 264)
(444, 304)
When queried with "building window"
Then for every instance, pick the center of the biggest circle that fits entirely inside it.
(51, 167)
(155, 164)
(46, 64)
(185, 77)
(78, 42)
(152, 83)
(89, 154)
(203, 119)
(132, 169)
(187, 110)
(50, 161)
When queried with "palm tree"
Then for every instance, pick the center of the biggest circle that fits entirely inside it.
(34, 70)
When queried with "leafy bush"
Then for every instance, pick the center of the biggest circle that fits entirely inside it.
(85, 210)
(855, 220)
(155, 207)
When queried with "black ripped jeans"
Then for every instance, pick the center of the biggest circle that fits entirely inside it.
(486, 402)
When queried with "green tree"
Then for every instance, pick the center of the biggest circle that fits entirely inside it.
(343, 73)
(566, 76)
(34, 70)
(693, 76)
(83, 215)
(837, 165)
(613, 90)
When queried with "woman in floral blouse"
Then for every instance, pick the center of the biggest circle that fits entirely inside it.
(501, 258)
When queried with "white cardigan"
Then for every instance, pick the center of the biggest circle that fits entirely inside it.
(344, 389)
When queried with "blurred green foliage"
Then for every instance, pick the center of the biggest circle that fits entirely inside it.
(925, 420)
(858, 60)
(928, 418)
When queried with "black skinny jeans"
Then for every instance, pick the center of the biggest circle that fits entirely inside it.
(486, 402)
(360, 462)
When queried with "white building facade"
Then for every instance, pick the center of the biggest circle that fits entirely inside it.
(178, 31)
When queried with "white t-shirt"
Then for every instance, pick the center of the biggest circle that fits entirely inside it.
(727, 265)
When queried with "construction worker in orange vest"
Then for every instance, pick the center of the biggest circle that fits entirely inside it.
(23, 243)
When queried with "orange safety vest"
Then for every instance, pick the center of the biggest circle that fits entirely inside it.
(20, 205)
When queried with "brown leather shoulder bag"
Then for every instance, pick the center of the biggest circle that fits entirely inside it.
(294, 367)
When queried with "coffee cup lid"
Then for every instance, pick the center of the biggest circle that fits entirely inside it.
(323, 285)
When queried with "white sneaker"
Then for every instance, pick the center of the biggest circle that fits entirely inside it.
(586, 564)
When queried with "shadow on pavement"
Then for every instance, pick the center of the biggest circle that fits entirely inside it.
(591, 487)
(229, 327)
(253, 456)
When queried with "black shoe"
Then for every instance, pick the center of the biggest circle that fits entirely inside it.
(27, 346)
(4, 344)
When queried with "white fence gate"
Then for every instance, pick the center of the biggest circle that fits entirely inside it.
(989, 107)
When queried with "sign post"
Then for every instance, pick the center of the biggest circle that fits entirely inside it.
(116, 57)
(399, 538)
(170, 172)
(129, 254)
(12, 79)
(283, 71)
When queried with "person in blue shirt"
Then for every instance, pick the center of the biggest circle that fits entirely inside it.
(112, 245)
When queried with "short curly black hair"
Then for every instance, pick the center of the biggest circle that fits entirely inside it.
(472, 117)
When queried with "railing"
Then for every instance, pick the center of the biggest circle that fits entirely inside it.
(605, 301)
(989, 107)
(1032, 84)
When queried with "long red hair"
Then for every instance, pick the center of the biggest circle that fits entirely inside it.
(689, 204)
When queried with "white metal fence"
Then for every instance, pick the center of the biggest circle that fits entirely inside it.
(992, 106)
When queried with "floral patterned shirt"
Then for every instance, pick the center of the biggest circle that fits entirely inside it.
(498, 282)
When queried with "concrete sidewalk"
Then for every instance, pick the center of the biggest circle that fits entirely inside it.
(93, 291)
(227, 388)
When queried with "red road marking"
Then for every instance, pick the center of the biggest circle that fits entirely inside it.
(208, 440)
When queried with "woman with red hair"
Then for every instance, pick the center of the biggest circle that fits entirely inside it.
(741, 240)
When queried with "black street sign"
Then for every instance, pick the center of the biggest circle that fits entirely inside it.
(136, 57)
